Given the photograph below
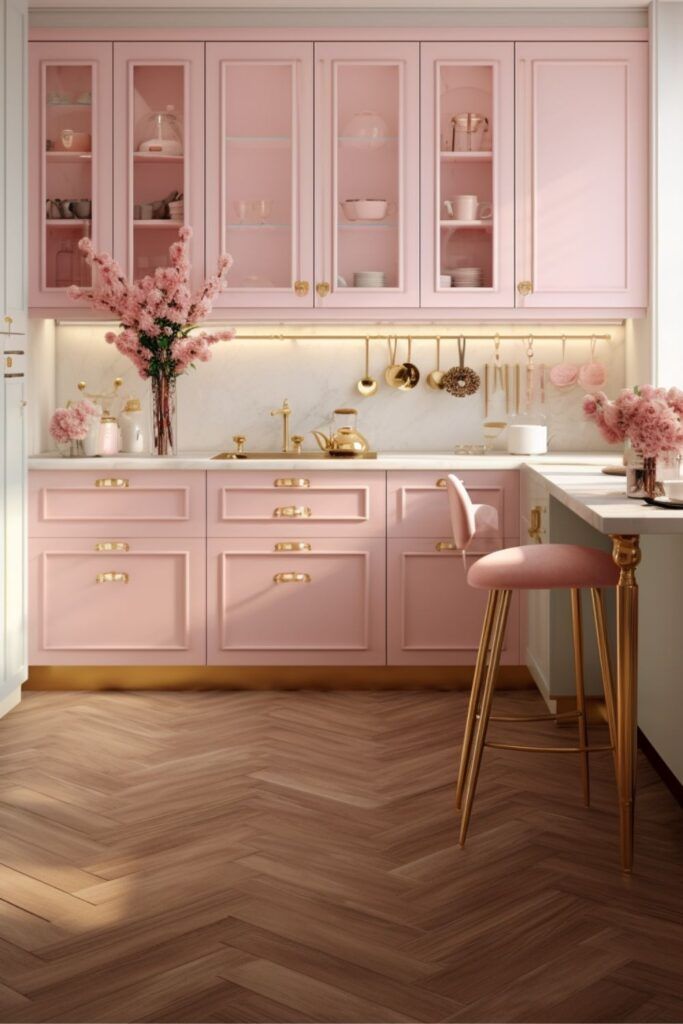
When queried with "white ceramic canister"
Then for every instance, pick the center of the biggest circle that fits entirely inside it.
(527, 439)
(132, 424)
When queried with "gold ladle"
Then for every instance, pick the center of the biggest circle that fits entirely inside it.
(367, 385)
(435, 378)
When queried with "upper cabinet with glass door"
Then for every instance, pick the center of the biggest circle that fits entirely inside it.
(159, 153)
(70, 167)
(260, 171)
(367, 174)
(467, 175)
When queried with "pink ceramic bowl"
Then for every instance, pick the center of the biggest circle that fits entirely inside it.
(69, 141)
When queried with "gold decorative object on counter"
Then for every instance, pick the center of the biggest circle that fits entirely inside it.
(345, 440)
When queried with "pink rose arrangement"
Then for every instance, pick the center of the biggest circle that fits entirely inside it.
(157, 315)
(74, 422)
(650, 418)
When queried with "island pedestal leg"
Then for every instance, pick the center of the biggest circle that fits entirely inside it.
(626, 554)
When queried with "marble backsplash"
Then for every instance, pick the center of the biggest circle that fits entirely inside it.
(234, 393)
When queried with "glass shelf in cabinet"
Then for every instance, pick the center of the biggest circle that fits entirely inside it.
(457, 225)
(66, 222)
(255, 227)
(158, 158)
(68, 107)
(59, 157)
(466, 156)
(158, 223)
(372, 224)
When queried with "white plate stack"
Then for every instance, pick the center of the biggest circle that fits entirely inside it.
(466, 277)
(176, 211)
(368, 279)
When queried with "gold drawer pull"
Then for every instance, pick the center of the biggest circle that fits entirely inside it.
(111, 577)
(292, 545)
(112, 481)
(445, 545)
(535, 524)
(112, 545)
(291, 577)
(289, 481)
(292, 512)
(442, 482)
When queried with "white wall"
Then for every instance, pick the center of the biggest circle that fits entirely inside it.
(246, 379)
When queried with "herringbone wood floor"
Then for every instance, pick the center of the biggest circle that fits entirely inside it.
(292, 857)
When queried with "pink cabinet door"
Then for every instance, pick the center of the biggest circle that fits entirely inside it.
(294, 603)
(582, 152)
(159, 152)
(135, 602)
(323, 504)
(83, 503)
(367, 148)
(467, 175)
(433, 616)
(70, 159)
(417, 504)
(259, 171)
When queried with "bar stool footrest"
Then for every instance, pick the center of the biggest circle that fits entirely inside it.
(546, 750)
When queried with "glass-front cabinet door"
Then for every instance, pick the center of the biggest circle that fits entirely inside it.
(158, 153)
(467, 174)
(70, 168)
(259, 152)
(367, 174)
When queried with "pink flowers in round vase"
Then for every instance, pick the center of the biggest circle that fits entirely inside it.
(649, 418)
(71, 425)
(158, 314)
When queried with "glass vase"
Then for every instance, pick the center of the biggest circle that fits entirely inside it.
(644, 474)
(164, 415)
(71, 450)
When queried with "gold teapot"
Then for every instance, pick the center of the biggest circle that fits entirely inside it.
(344, 440)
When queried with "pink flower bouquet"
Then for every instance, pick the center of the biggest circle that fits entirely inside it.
(650, 418)
(157, 315)
(73, 423)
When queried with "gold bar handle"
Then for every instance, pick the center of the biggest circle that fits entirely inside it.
(535, 523)
(112, 545)
(289, 481)
(112, 481)
(291, 577)
(442, 482)
(292, 512)
(445, 545)
(292, 545)
(111, 577)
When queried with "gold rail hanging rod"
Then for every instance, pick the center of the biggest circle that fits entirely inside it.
(423, 337)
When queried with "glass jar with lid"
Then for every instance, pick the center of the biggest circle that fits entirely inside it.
(163, 133)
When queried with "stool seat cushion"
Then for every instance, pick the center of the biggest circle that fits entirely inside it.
(544, 567)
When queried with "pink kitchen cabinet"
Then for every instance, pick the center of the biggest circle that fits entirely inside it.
(417, 504)
(581, 175)
(70, 165)
(433, 616)
(367, 148)
(259, 171)
(319, 602)
(134, 602)
(467, 181)
(159, 153)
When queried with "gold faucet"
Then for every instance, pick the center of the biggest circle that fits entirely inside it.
(285, 412)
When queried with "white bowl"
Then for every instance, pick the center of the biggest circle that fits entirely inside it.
(371, 209)
(673, 489)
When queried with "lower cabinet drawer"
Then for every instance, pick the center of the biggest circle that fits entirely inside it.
(291, 602)
(132, 602)
(433, 616)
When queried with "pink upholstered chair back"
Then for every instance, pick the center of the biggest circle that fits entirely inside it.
(468, 519)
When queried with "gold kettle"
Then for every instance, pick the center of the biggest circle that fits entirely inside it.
(344, 440)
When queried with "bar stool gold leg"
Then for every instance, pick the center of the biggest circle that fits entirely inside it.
(580, 694)
(499, 624)
(473, 705)
(605, 662)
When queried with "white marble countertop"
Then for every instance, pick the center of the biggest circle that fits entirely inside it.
(440, 461)
(601, 501)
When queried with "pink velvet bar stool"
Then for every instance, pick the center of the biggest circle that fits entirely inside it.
(534, 567)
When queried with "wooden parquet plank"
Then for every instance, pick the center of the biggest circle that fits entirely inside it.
(238, 857)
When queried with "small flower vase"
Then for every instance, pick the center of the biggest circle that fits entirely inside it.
(163, 414)
(72, 450)
(644, 474)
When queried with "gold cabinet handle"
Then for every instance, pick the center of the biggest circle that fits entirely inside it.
(535, 523)
(9, 362)
(323, 289)
(112, 481)
(301, 288)
(290, 481)
(442, 483)
(525, 287)
(112, 545)
(445, 545)
(291, 577)
(9, 321)
(292, 545)
(111, 577)
(292, 512)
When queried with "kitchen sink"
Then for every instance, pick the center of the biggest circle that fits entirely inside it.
(291, 455)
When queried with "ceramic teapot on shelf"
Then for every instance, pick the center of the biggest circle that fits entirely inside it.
(344, 439)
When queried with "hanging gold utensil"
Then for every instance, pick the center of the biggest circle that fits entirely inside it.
(461, 380)
(367, 385)
(435, 378)
(486, 391)
(411, 370)
(395, 374)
